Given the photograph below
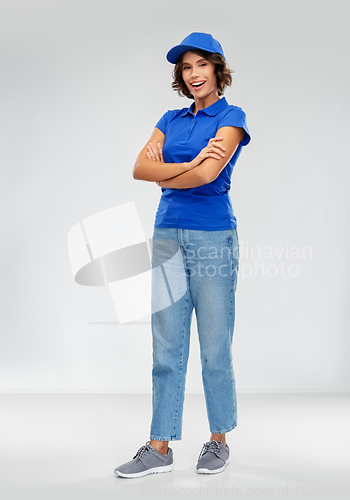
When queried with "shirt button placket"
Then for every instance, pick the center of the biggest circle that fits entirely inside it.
(193, 124)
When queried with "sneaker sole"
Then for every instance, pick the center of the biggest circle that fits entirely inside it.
(155, 470)
(207, 471)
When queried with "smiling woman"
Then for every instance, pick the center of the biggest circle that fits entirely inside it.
(199, 74)
(191, 155)
(221, 70)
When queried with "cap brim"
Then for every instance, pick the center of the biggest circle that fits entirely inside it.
(174, 53)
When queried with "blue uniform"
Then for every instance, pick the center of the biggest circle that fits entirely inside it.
(207, 207)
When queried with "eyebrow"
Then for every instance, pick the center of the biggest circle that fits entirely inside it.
(199, 60)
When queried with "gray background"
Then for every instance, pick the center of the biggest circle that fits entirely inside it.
(82, 85)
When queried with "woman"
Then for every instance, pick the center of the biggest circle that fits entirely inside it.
(190, 155)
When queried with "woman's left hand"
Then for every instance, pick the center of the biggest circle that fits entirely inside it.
(155, 154)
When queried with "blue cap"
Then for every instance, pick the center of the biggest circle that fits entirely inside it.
(202, 41)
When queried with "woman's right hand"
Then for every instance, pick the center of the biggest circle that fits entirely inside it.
(212, 150)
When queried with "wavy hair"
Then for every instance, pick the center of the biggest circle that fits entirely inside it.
(222, 71)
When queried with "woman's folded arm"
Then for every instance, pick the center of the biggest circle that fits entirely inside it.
(210, 168)
(150, 170)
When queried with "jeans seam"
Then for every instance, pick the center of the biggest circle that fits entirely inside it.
(181, 368)
(231, 325)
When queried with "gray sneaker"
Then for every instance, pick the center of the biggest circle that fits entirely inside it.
(147, 460)
(213, 458)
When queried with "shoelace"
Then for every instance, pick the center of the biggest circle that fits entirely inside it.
(210, 446)
(142, 450)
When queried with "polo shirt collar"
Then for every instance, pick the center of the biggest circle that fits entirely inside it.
(211, 110)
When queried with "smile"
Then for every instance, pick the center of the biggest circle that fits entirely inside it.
(198, 85)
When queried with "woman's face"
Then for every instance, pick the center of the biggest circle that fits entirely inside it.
(198, 75)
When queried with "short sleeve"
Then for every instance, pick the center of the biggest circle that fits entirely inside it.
(163, 122)
(236, 117)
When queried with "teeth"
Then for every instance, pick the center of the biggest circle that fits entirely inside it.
(197, 84)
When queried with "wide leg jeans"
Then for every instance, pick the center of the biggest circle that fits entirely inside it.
(193, 269)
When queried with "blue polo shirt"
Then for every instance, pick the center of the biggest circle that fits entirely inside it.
(207, 207)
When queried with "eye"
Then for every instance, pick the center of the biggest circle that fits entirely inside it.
(203, 64)
(186, 67)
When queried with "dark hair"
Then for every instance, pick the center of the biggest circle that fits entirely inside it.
(222, 71)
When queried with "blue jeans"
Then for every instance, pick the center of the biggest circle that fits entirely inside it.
(193, 269)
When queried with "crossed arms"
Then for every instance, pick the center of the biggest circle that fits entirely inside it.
(204, 168)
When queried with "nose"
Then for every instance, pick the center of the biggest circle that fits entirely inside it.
(194, 73)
